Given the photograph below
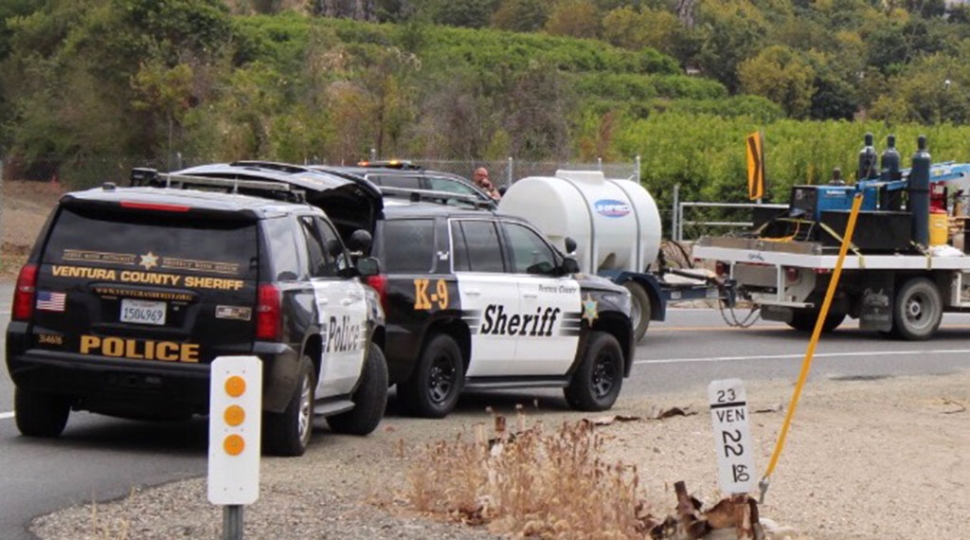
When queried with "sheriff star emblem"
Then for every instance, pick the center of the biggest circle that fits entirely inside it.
(149, 260)
(590, 312)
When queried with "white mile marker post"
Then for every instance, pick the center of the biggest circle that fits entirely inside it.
(732, 436)
(235, 422)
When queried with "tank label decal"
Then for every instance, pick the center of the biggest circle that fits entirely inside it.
(611, 208)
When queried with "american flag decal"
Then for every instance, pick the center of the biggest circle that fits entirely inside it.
(51, 301)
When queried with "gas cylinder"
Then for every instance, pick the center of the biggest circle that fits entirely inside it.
(867, 160)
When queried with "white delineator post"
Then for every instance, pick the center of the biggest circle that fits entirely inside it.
(235, 421)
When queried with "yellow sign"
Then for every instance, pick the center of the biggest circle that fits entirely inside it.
(756, 165)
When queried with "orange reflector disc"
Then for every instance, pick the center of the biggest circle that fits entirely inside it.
(235, 386)
(234, 415)
(234, 445)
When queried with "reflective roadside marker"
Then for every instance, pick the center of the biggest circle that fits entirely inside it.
(235, 413)
(732, 436)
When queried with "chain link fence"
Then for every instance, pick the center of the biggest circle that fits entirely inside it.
(29, 191)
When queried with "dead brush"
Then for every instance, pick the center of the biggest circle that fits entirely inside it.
(531, 483)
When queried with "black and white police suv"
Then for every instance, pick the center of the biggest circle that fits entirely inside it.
(476, 299)
(131, 292)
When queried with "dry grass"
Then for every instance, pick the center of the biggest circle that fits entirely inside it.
(531, 483)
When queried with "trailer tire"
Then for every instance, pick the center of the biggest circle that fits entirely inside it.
(918, 310)
(804, 321)
(640, 311)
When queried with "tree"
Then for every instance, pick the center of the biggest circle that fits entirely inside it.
(627, 28)
(468, 13)
(521, 15)
(731, 31)
(73, 64)
(781, 75)
(574, 18)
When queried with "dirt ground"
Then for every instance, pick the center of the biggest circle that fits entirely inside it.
(865, 459)
(24, 207)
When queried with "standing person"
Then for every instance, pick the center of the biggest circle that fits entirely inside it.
(480, 179)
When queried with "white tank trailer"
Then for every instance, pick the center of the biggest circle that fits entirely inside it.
(617, 229)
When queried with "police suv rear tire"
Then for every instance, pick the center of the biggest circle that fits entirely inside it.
(596, 383)
(288, 433)
(433, 388)
(40, 414)
(370, 398)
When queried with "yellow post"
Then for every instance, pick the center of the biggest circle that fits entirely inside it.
(816, 333)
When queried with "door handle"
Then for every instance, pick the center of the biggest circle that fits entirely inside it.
(473, 292)
(347, 301)
(323, 301)
(530, 295)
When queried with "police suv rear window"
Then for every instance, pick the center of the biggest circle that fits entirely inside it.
(408, 245)
(87, 238)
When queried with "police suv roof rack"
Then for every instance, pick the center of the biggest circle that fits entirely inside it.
(273, 190)
(442, 197)
(271, 165)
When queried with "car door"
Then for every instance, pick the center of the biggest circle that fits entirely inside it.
(547, 340)
(489, 298)
(341, 309)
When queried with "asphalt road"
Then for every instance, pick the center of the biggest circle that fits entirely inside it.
(100, 458)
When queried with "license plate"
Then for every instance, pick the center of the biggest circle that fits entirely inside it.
(142, 312)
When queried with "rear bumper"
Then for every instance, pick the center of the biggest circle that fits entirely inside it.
(138, 387)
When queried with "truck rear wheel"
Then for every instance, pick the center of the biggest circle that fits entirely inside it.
(40, 414)
(432, 390)
(640, 312)
(597, 381)
(370, 398)
(918, 310)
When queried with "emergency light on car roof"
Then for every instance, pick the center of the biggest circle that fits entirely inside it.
(155, 206)
(389, 164)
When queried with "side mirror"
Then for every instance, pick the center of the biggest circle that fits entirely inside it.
(368, 266)
(570, 245)
(360, 241)
(570, 266)
(334, 247)
(502, 190)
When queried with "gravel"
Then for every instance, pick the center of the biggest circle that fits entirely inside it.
(864, 459)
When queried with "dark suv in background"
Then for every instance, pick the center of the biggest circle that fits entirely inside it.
(403, 177)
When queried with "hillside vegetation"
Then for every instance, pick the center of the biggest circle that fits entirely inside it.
(94, 86)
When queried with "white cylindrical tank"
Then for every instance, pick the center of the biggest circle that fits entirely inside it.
(615, 223)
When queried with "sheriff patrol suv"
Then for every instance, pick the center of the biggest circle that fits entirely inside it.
(131, 292)
(474, 299)
(480, 300)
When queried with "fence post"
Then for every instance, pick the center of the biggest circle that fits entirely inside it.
(636, 173)
(509, 173)
(676, 227)
(373, 154)
(599, 163)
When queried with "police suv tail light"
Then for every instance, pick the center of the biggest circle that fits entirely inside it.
(269, 320)
(25, 294)
(379, 284)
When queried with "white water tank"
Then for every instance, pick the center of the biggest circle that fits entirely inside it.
(615, 223)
